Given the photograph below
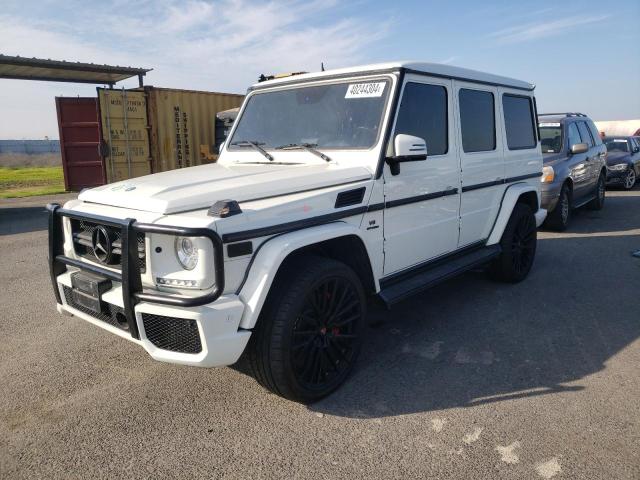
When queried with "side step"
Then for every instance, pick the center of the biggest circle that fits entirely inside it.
(439, 270)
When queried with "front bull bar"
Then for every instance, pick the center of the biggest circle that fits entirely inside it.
(129, 276)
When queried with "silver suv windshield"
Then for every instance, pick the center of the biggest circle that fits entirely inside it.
(332, 116)
(551, 138)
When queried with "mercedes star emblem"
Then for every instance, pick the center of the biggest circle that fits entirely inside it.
(101, 241)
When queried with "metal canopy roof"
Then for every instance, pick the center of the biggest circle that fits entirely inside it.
(61, 71)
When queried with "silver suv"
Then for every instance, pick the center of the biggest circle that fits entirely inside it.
(574, 172)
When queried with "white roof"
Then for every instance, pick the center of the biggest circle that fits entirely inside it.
(437, 69)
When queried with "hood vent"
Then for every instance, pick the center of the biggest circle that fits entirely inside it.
(350, 197)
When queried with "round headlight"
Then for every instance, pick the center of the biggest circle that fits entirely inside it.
(186, 252)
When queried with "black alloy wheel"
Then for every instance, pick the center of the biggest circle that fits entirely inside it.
(325, 334)
(518, 244)
(523, 245)
(310, 331)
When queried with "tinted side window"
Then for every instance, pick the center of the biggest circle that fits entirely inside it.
(518, 120)
(584, 133)
(423, 113)
(477, 120)
(573, 135)
(594, 132)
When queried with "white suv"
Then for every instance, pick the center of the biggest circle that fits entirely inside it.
(332, 187)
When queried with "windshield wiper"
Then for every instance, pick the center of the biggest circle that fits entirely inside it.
(309, 147)
(256, 146)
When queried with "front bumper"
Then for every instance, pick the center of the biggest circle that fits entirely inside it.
(616, 177)
(171, 328)
(549, 195)
(540, 215)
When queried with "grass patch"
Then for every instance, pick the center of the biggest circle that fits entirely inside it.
(30, 181)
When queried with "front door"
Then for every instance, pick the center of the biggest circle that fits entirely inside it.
(422, 201)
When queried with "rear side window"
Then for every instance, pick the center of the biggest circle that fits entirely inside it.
(518, 121)
(585, 134)
(423, 113)
(573, 135)
(477, 120)
(594, 132)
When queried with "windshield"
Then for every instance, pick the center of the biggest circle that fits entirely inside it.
(340, 115)
(551, 138)
(616, 144)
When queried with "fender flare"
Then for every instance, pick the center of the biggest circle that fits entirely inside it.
(509, 199)
(270, 255)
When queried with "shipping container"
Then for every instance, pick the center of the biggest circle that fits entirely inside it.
(158, 129)
(125, 138)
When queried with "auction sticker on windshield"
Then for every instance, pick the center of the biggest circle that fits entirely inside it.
(365, 90)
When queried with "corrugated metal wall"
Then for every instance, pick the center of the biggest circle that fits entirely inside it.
(182, 126)
(29, 147)
(619, 127)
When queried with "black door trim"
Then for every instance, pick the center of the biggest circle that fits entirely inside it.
(477, 186)
(331, 217)
(411, 271)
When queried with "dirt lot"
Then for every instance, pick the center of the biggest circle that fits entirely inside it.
(470, 380)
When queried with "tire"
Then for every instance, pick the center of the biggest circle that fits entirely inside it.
(310, 332)
(559, 218)
(630, 179)
(598, 202)
(518, 244)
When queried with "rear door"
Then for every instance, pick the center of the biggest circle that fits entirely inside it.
(578, 163)
(593, 156)
(481, 157)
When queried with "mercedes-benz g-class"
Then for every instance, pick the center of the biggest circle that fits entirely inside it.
(332, 188)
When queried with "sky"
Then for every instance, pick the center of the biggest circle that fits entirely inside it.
(583, 55)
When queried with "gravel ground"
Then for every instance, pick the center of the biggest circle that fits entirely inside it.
(470, 380)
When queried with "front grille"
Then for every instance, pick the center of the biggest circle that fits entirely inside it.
(111, 314)
(82, 231)
(175, 334)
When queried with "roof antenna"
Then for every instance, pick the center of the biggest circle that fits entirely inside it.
(322, 66)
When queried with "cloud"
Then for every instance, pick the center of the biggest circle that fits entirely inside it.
(449, 60)
(204, 45)
(543, 29)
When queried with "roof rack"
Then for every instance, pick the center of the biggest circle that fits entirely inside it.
(264, 78)
(566, 114)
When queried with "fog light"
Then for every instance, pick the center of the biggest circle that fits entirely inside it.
(174, 282)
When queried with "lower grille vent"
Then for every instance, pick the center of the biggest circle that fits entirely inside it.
(175, 334)
(111, 314)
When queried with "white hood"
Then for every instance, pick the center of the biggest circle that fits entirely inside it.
(200, 187)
